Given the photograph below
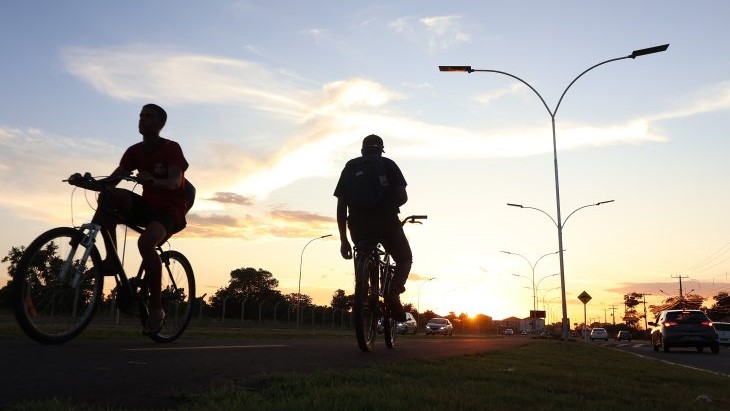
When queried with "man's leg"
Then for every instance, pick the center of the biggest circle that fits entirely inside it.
(148, 241)
(400, 250)
(118, 201)
(153, 234)
(397, 246)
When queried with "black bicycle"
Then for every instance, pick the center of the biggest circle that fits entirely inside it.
(373, 276)
(60, 285)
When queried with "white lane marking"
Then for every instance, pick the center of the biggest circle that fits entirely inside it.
(208, 347)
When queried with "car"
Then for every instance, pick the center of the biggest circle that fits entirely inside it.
(683, 328)
(509, 331)
(439, 326)
(524, 332)
(624, 335)
(723, 332)
(409, 326)
(598, 333)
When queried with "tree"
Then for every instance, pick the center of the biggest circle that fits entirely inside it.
(720, 311)
(409, 308)
(6, 292)
(631, 316)
(248, 286)
(44, 268)
(341, 301)
(292, 298)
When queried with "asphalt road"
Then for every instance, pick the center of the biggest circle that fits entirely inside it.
(140, 373)
(687, 357)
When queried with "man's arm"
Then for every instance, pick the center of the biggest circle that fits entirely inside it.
(345, 247)
(171, 182)
(76, 180)
(400, 195)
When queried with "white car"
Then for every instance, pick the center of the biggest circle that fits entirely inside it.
(439, 326)
(723, 332)
(509, 331)
(598, 334)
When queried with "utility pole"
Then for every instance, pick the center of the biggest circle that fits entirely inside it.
(681, 292)
(613, 313)
(643, 296)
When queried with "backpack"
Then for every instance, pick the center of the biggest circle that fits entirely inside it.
(367, 182)
(189, 193)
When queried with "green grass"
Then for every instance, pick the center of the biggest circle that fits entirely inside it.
(543, 375)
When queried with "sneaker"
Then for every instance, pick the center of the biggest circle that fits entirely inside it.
(154, 322)
(396, 308)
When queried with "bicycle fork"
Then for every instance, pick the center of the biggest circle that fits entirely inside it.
(90, 231)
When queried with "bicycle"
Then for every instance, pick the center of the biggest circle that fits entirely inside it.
(59, 282)
(373, 276)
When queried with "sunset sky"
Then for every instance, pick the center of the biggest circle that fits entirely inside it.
(269, 99)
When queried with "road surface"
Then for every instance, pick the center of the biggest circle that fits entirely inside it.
(141, 373)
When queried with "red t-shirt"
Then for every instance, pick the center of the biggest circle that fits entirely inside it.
(157, 163)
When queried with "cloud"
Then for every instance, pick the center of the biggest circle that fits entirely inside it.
(486, 98)
(301, 216)
(33, 163)
(704, 288)
(232, 198)
(258, 224)
(142, 73)
(437, 32)
(328, 121)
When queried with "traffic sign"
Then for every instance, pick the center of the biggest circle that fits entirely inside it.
(584, 297)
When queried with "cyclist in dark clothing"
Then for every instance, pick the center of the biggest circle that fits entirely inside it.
(160, 166)
(378, 221)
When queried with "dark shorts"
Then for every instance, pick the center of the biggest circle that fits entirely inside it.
(142, 214)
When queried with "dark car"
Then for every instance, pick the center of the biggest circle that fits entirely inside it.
(624, 335)
(683, 328)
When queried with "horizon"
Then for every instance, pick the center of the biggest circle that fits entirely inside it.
(268, 107)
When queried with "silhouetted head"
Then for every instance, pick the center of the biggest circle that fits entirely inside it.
(372, 144)
(152, 119)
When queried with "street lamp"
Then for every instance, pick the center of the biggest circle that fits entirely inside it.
(299, 289)
(418, 308)
(537, 287)
(553, 113)
(532, 267)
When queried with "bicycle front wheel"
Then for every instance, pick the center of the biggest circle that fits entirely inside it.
(178, 296)
(389, 329)
(366, 303)
(57, 291)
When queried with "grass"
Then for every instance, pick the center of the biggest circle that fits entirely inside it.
(543, 375)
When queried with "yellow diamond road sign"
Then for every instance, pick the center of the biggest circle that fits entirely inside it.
(584, 297)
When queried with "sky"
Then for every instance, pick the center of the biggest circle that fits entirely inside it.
(269, 99)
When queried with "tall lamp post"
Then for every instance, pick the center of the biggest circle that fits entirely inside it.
(299, 289)
(634, 54)
(418, 308)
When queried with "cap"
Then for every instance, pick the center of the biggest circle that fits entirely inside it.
(373, 141)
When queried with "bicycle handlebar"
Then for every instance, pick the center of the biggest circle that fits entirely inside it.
(413, 219)
(99, 182)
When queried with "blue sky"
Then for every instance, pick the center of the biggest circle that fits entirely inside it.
(270, 99)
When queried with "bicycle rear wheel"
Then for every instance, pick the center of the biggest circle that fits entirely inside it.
(366, 303)
(52, 308)
(178, 296)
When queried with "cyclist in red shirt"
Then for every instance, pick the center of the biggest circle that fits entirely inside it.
(161, 209)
